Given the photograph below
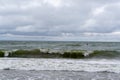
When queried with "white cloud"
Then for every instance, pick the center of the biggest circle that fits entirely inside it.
(117, 33)
(27, 28)
(99, 11)
(89, 23)
(55, 3)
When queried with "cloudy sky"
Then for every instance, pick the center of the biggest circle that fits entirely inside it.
(69, 20)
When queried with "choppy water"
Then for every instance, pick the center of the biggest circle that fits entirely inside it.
(59, 45)
(58, 69)
(90, 65)
(56, 75)
(62, 46)
(101, 68)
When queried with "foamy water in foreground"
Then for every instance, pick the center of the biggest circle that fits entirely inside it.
(89, 65)
(56, 75)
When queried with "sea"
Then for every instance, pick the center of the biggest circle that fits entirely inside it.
(59, 45)
(96, 68)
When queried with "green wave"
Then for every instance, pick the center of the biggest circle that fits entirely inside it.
(104, 54)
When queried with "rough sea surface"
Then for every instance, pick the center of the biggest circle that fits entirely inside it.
(88, 65)
(60, 69)
(59, 45)
(56, 75)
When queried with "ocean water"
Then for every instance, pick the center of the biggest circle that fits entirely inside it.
(56, 75)
(58, 69)
(62, 46)
(59, 45)
(101, 68)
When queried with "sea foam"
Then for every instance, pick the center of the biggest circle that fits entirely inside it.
(89, 65)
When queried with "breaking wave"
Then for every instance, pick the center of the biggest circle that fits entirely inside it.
(104, 54)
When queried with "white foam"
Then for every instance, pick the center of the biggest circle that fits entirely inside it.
(60, 64)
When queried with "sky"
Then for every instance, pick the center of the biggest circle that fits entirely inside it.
(60, 20)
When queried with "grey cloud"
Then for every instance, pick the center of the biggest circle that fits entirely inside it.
(45, 18)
